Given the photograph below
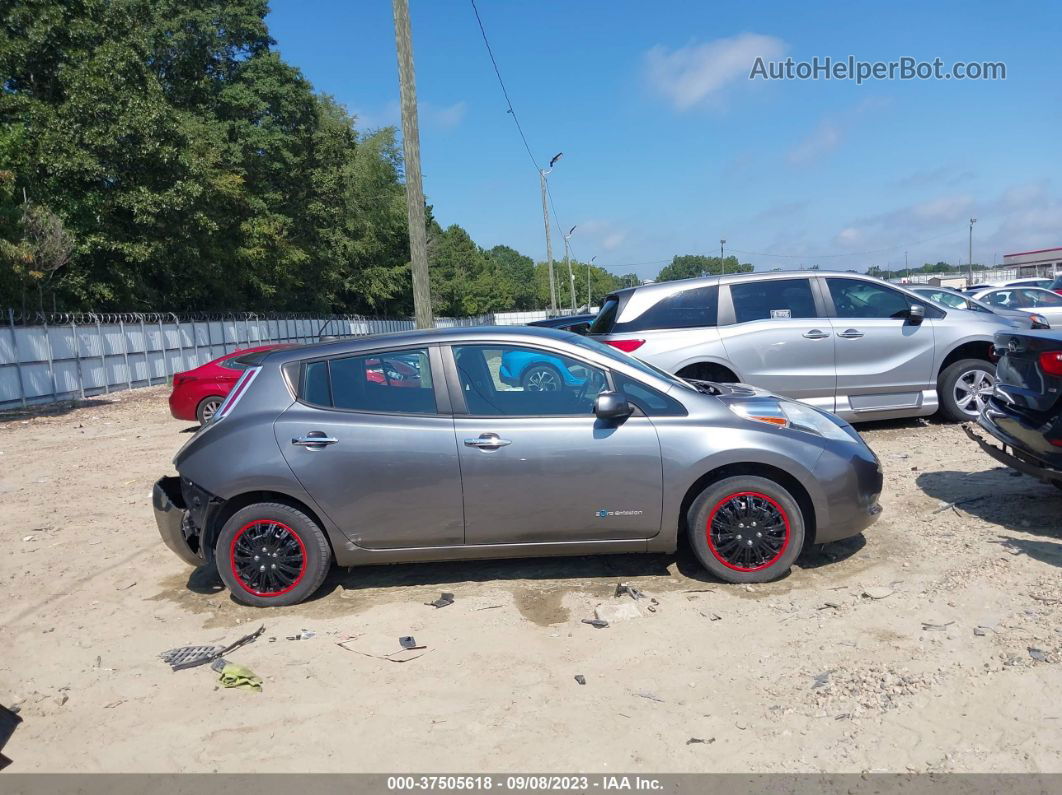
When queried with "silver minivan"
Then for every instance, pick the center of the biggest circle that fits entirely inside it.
(851, 344)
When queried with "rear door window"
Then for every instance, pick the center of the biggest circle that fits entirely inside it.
(772, 299)
(391, 382)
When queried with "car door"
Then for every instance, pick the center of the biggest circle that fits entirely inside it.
(536, 464)
(884, 361)
(780, 339)
(371, 439)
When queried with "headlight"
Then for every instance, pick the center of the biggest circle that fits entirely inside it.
(790, 414)
(1039, 321)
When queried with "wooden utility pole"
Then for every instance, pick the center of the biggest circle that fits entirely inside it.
(418, 235)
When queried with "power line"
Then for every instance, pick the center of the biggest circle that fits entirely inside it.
(512, 111)
(505, 92)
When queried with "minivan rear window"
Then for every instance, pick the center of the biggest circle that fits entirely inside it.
(686, 309)
(606, 318)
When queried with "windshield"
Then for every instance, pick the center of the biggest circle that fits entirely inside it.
(619, 356)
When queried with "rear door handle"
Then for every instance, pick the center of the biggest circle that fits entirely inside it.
(851, 334)
(312, 440)
(816, 334)
(487, 441)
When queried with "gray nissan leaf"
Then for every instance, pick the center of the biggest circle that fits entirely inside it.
(501, 442)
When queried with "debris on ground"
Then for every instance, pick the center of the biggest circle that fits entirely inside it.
(383, 648)
(695, 740)
(821, 679)
(596, 622)
(240, 676)
(580, 679)
(626, 589)
(445, 599)
(191, 656)
(931, 627)
(1037, 654)
(622, 611)
(302, 634)
(650, 696)
(829, 606)
(877, 592)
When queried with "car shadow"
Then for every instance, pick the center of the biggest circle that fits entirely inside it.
(586, 569)
(1004, 497)
(190, 429)
(50, 409)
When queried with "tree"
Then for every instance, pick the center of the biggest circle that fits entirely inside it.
(687, 266)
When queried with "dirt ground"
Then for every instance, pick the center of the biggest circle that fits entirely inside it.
(806, 674)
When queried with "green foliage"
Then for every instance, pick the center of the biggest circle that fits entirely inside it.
(688, 266)
(160, 154)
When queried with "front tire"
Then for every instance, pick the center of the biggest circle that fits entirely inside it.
(746, 529)
(272, 555)
(964, 388)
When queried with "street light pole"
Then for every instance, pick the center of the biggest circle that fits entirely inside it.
(969, 258)
(418, 233)
(722, 262)
(568, 262)
(589, 265)
(542, 174)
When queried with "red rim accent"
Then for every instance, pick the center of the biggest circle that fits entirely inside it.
(232, 558)
(728, 498)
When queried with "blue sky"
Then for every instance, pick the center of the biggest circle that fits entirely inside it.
(668, 146)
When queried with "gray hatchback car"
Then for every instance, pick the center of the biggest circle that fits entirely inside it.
(336, 452)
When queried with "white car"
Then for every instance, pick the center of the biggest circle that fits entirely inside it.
(1029, 281)
(1034, 300)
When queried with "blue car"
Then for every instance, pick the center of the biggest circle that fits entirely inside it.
(537, 372)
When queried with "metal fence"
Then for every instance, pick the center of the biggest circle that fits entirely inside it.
(48, 357)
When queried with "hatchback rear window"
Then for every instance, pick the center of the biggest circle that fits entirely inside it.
(606, 318)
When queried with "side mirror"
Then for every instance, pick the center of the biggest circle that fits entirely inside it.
(612, 406)
(917, 314)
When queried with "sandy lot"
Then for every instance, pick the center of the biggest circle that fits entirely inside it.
(805, 674)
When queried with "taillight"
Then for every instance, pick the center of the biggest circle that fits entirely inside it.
(627, 346)
(1056, 442)
(1051, 362)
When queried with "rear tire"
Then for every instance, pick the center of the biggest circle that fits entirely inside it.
(272, 555)
(746, 529)
(964, 387)
(207, 407)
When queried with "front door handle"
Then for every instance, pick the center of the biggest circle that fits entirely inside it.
(487, 441)
(851, 334)
(816, 334)
(314, 439)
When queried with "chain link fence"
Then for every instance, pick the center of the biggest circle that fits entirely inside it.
(48, 357)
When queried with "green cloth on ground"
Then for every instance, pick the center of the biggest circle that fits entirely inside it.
(240, 676)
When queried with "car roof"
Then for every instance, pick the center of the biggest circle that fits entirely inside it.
(665, 288)
(436, 336)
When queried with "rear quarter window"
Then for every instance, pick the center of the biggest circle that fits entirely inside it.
(693, 308)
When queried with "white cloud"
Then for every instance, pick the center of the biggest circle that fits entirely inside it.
(823, 139)
(446, 117)
(696, 74)
(830, 132)
(604, 236)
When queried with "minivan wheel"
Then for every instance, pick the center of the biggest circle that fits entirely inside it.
(964, 388)
(207, 407)
(746, 529)
(272, 555)
(541, 378)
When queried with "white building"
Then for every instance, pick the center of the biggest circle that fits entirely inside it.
(1042, 262)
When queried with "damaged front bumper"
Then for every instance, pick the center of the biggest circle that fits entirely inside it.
(175, 522)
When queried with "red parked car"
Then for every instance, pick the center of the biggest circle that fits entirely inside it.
(198, 393)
